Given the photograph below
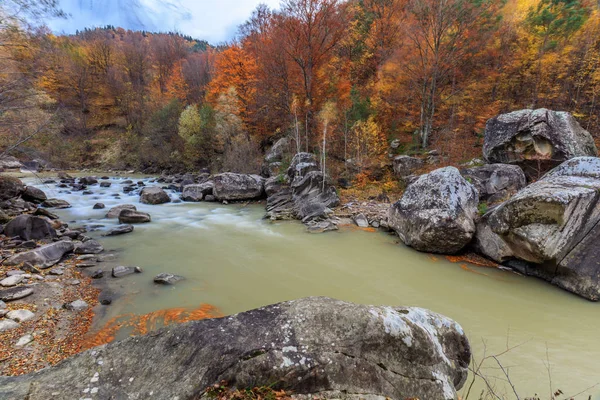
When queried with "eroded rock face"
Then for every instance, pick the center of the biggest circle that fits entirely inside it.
(154, 195)
(550, 228)
(496, 182)
(42, 257)
(537, 140)
(436, 213)
(231, 187)
(313, 345)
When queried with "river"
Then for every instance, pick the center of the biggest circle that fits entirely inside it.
(233, 259)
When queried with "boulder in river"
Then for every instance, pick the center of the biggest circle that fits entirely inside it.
(437, 213)
(551, 228)
(89, 247)
(42, 257)
(34, 195)
(99, 206)
(196, 192)
(119, 230)
(167, 279)
(495, 182)
(127, 216)
(115, 211)
(320, 346)
(229, 186)
(537, 140)
(56, 203)
(154, 195)
(29, 227)
(10, 187)
(121, 271)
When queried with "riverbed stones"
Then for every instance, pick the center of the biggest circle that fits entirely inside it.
(495, 182)
(56, 203)
(105, 184)
(361, 221)
(437, 213)
(24, 340)
(551, 228)
(121, 271)
(127, 216)
(99, 206)
(537, 140)
(10, 187)
(89, 247)
(97, 274)
(29, 227)
(359, 351)
(115, 211)
(34, 195)
(154, 195)
(236, 187)
(45, 213)
(7, 325)
(77, 305)
(119, 230)
(196, 192)
(167, 278)
(20, 315)
(42, 257)
(12, 280)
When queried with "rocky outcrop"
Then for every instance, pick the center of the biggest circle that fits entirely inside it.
(10, 187)
(320, 346)
(551, 228)
(42, 257)
(234, 187)
(154, 195)
(537, 140)
(436, 213)
(278, 150)
(29, 227)
(304, 193)
(8, 162)
(197, 192)
(495, 182)
(405, 166)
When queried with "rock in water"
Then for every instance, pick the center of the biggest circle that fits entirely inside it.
(167, 279)
(310, 346)
(56, 203)
(550, 229)
(10, 187)
(119, 230)
(115, 211)
(34, 195)
(361, 221)
(42, 257)
(29, 227)
(127, 216)
(230, 187)
(436, 213)
(154, 195)
(496, 182)
(537, 140)
(89, 247)
(196, 192)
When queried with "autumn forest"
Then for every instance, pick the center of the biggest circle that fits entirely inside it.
(340, 78)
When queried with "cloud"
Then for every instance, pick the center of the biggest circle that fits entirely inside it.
(214, 21)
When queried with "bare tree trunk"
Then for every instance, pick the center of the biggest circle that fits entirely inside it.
(324, 154)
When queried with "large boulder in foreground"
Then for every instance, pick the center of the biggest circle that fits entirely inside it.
(550, 229)
(154, 195)
(437, 213)
(537, 140)
(10, 187)
(316, 346)
(29, 227)
(231, 187)
(42, 257)
(495, 182)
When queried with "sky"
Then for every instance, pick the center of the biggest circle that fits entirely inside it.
(213, 20)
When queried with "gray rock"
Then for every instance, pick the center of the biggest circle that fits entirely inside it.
(56, 203)
(34, 195)
(89, 247)
(45, 213)
(154, 195)
(97, 274)
(229, 186)
(12, 280)
(320, 346)
(133, 217)
(15, 272)
(10, 187)
(7, 325)
(167, 279)
(42, 257)
(105, 184)
(495, 181)
(196, 192)
(361, 221)
(550, 229)
(20, 315)
(405, 165)
(77, 305)
(436, 213)
(119, 230)
(24, 340)
(278, 150)
(115, 211)
(99, 206)
(302, 164)
(9, 162)
(210, 198)
(29, 227)
(2, 305)
(274, 184)
(537, 140)
(321, 226)
(121, 271)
